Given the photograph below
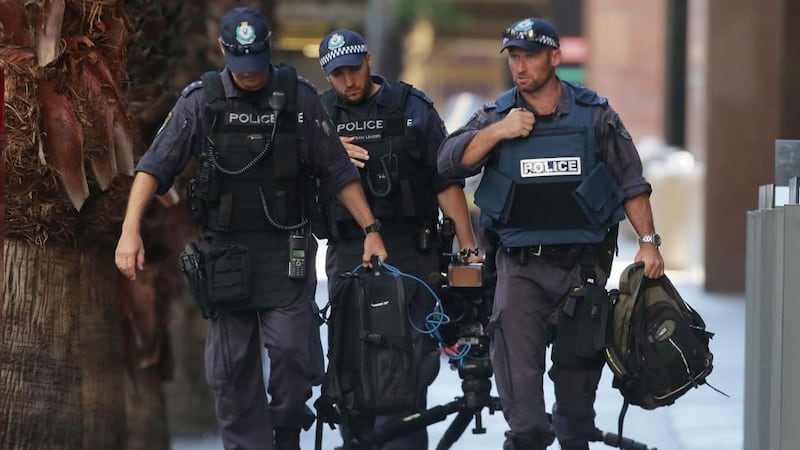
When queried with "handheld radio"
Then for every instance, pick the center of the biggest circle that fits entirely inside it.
(297, 256)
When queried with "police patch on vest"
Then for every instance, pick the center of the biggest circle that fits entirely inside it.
(550, 167)
(235, 118)
(362, 130)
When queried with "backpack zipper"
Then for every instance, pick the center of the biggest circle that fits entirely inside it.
(692, 380)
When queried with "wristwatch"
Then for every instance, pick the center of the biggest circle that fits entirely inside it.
(654, 239)
(374, 227)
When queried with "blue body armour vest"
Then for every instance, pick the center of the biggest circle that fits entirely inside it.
(550, 188)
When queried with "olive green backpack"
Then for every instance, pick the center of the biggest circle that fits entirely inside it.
(657, 345)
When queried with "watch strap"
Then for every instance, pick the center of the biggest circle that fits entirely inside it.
(374, 227)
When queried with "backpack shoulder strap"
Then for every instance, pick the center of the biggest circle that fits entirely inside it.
(630, 283)
(630, 280)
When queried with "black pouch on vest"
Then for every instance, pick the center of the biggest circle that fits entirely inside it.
(486, 199)
(599, 197)
(230, 275)
(284, 151)
(582, 322)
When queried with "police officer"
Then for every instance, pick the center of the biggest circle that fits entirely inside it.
(392, 133)
(264, 142)
(560, 170)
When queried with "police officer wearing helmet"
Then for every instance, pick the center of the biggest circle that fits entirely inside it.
(392, 134)
(264, 143)
(560, 171)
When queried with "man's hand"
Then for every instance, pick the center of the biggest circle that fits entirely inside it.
(358, 155)
(129, 255)
(373, 246)
(517, 124)
(130, 249)
(653, 262)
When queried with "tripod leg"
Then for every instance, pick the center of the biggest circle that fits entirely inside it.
(455, 430)
(416, 421)
(616, 441)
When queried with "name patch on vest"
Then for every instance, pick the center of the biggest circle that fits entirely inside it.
(362, 130)
(550, 167)
(235, 118)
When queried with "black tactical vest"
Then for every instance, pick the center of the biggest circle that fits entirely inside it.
(250, 182)
(252, 161)
(397, 183)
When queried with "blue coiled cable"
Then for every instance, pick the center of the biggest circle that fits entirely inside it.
(434, 320)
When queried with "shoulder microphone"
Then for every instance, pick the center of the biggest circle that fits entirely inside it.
(277, 101)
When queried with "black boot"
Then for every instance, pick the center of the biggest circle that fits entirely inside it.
(526, 441)
(287, 438)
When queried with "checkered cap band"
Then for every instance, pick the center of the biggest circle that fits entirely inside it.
(346, 50)
(546, 40)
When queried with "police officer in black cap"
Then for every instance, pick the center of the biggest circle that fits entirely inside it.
(264, 144)
(392, 134)
(560, 171)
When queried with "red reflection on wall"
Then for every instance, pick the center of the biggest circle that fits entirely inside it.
(2, 163)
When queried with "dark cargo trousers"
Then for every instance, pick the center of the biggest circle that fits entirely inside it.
(526, 308)
(403, 255)
(234, 369)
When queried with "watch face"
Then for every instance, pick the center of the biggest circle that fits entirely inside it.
(654, 239)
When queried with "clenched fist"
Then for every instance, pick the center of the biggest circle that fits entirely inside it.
(517, 124)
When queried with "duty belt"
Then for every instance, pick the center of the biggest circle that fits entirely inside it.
(539, 250)
(563, 255)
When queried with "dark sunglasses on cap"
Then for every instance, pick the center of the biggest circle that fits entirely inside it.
(529, 35)
(241, 50)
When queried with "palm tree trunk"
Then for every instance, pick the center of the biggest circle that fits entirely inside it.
(60, 352)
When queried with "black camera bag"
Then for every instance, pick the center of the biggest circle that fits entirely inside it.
(371, 369)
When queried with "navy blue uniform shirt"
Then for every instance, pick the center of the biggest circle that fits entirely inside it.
(421, 114)
(183, 135)
(612, 140)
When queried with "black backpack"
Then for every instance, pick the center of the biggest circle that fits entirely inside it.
(370, 366)
(657, 345)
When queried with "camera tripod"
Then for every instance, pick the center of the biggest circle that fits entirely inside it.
(475, 371)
